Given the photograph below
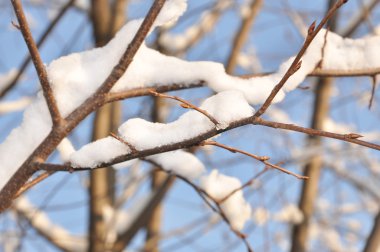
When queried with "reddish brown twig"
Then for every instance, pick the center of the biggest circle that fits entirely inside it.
(131, 147)
(296, 64)
(351, 138)
(261, 159)
(187, 105)
(345, 73)
(32, 183)
(248, 183)
(38, 64)
(40, 41)
(328, 73)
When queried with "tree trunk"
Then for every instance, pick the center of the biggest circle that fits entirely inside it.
(312, 170)
(106, 21)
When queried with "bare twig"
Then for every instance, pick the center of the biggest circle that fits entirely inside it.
(187, 105)
(40, 41)
(131, 147)
(248, 183)
(312, 33)
(264, 159)
(358, 19)
(352, 137)
(344, 73)
(328, 73)
(38, 64)
(32, 183)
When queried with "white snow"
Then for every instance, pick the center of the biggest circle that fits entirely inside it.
(180, 162)
(289, 213)
(261, 216)
(116, 220)
(332, 126)
(175, 43)
(100, 151)
(41, 222)
(225, 107)
(24, 139)
(66, 149)
(218, 186)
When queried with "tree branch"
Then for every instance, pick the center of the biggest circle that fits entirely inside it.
(38, 64)
(263, 159)
(312, 33)
(47, 146)
(40, 41)
(187, 105)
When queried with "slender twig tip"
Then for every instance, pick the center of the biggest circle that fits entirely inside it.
(183, 105)
(353, 136)
(16, 25)
(311, 28)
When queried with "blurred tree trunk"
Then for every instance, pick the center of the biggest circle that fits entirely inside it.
(312, 170)
(242, 34)
(158, 177)
(373, 241)
(106, 20)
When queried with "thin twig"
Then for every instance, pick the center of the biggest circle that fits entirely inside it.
(353, 24)
(38, 64)
(248, 183)
(296, 64)
(264, 159)
(131, 147)
(40, 41)
(344, 73)
(32, 183)
(328, 73)
(218, 209)
(187, 105)
(351, 137)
